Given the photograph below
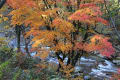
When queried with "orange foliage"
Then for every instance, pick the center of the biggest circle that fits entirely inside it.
(63, 26)
(88, 13)
(101, 44)
(19, 3)
(50, 26)
(61, 29)
(97, 43)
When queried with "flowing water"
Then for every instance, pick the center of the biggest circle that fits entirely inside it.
(92, 67)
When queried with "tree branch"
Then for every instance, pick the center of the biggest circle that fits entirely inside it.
(113, 23)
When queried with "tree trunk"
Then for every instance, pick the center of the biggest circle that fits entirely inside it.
(26, 47)
(18, 34)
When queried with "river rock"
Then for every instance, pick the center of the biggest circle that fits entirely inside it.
(117, 61)
(87, 77)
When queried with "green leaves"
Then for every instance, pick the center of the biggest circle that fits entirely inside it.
(3, 67)
(17, 75)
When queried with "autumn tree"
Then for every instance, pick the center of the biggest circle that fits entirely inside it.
(67, 27)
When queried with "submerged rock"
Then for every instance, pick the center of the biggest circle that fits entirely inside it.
(117, 61)
(87, 77)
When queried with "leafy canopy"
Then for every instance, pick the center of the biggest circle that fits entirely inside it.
(68, 30)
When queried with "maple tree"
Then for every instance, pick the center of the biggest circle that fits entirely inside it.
(65, 30)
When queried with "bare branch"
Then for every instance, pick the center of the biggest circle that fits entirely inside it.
(113, 22)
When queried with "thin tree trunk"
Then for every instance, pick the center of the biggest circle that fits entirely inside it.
(26, 47)
(18, 34)
(61, 59)
(111, 19)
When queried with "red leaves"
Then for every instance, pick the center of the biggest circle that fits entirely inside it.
(78, 15)
(119, 71)
(101, 44)
(102, 21)
(79, 45)
(98, 43)
(88, 13)
(19, 3)
(59, 36)
(87, 5)
(81, 15)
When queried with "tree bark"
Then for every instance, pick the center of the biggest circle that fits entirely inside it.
(26, 47)
(18, 34)
(61, 59)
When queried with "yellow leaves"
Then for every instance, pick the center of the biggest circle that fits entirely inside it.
(37, 42)
(3, 18)
(19, 15)
(47, 38)
(51, 12)
(67, 69)
(3, 41)
(1, 15)
(4, 8)
(44, 37)
(36, 19)
(6, 27)
(29, 16)
(96, 37)
(50, 2)
(43, 52)
(16, 20)
(44, 55)
(63, 26)
(64, 47)
(44, 16)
